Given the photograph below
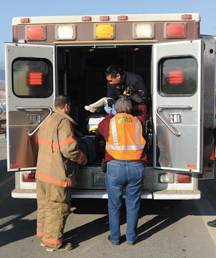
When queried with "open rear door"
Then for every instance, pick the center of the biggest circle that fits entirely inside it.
(177, 102)
(30, 92)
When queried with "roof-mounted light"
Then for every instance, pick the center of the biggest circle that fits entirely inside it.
(25, 20)
(36, 32)
(104, 31)
(65, 32)
(175, 30)
(143, 30)
(86, 18)
(104, 18)
(123, 18)
(186, 16)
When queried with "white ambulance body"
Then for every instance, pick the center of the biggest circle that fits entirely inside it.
(69, 55)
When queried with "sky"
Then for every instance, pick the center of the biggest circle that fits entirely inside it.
(24, 8)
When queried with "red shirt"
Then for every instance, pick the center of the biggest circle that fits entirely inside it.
(103, 128)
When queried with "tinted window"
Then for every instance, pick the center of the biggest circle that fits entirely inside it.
(32, 78)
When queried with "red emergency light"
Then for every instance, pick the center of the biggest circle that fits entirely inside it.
(36, 32)
(184, 179)
(175, 30)
(35, 78)
(176, 77)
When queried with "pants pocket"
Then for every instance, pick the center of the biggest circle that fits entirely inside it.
(140, 170)
(113, 170)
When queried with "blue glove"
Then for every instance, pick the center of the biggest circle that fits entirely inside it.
(110, 110)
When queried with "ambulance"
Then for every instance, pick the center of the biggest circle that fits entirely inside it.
(68, 55)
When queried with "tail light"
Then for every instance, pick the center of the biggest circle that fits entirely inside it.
(28, 177)
(184, 179)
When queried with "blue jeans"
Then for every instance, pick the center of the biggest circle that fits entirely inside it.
(122, 175)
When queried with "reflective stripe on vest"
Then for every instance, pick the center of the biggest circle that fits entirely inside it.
(125, 137)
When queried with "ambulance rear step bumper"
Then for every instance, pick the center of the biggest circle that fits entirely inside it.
(76, 194)
(177, 195)
(102, 194)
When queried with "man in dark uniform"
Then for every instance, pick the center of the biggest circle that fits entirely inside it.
(118, 80)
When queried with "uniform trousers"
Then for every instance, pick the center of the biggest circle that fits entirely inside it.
(53, 208)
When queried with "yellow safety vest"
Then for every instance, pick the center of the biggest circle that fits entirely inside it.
(125, 140)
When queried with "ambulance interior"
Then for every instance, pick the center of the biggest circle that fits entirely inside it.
(81, 77)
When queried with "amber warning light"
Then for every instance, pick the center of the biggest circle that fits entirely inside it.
(35, 79)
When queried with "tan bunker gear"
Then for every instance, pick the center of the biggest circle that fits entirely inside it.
(57, 165)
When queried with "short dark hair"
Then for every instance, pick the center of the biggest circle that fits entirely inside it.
(113, 70)
(61, 101)
(131, 90)
(123, 105)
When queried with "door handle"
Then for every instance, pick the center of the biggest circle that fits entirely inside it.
(33, 117)
(172, 129)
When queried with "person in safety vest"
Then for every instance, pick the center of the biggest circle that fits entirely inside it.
(125, 157)
(57, 165)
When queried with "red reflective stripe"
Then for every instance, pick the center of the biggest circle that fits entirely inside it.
(80, 158)
(66, 141)
(39, 233)
(55, 181)
(49, 143)
(52, 241)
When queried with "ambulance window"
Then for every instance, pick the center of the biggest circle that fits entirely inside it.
(32, 78)
(178, 76)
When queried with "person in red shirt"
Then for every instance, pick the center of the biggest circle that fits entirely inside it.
(123, 134)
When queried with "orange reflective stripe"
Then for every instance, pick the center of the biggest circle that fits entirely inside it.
(39, 233)
(66, 141)
(52, 241)
(80, 158)
(55, 181)
(49, 143)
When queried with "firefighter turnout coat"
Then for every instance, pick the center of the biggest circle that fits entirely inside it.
(59, 154)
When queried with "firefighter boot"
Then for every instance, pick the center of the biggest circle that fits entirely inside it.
(62, 248)
(212, 223)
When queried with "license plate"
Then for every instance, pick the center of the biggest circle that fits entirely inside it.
(99, 179)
